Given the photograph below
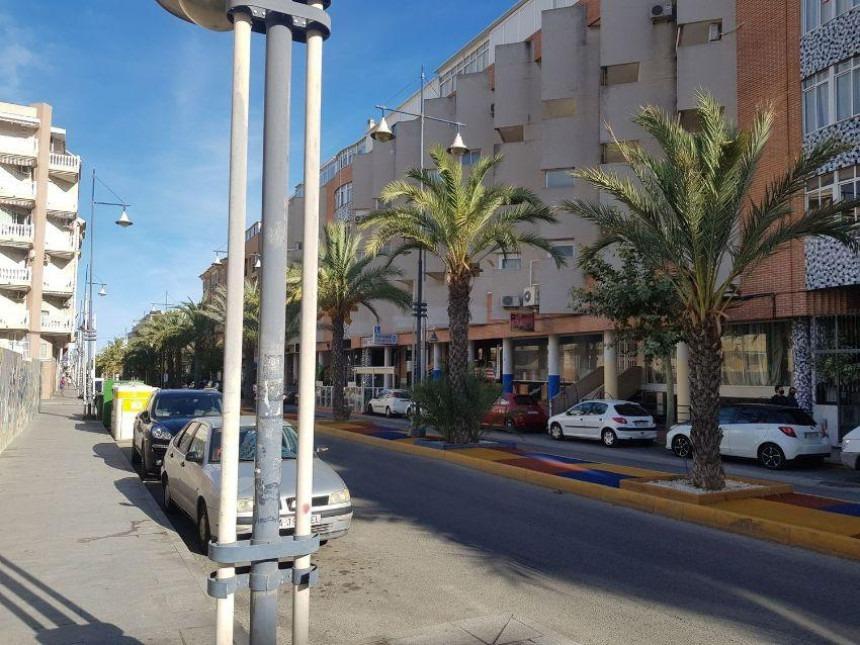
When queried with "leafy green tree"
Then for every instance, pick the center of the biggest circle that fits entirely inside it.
(456, 414)
(689, 214)
(110, 361)
(641, 303)
(461, 221)
(348, 279)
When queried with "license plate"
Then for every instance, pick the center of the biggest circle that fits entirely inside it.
(289, 522)
(641, 423)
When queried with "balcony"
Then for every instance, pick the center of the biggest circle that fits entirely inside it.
(59, 242)
(14, 321)
(57, 325)
(17, 278)
(17, 235)
(66, 165)
(22, 194)
(19, 346)
(58, 286)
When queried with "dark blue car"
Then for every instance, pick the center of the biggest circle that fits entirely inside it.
(166, 414)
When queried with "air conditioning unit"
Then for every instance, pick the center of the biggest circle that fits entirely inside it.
(531, 296)
(512, 302)
(663, 12)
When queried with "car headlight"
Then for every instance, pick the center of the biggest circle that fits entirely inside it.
(340, 497)
(245, 505)
(163, 434)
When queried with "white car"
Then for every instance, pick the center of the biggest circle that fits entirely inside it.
(391, 403)
(609, 420)
(191, 481)
(772, 434)
(851, 449)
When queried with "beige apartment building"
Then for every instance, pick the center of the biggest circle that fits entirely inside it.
(40, 233)
(542, 86)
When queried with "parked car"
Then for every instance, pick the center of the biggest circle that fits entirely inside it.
(516, 413)
(391, 403)
(191, 480)
(772, 434)
(166, 413)
(851, 449)
(611, 421)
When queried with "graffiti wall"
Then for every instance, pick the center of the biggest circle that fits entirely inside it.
(19, 394)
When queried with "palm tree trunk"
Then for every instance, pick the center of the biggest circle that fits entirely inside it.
(670, 392)
(706, 362)
(338, 373)
(459, 292)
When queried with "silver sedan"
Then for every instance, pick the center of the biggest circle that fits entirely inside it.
(191, 481)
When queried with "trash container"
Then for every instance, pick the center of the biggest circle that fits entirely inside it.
(106, 406)
(129, 399)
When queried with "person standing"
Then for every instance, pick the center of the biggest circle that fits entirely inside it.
(778, 397)
(791, 399)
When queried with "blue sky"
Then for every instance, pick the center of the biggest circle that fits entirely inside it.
(145, 99)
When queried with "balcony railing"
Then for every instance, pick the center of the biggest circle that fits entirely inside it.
(14, 276)
(58, 285)
(19, 193)
(16, 232)
(63, 325)
(13, 321)
(64, 162)
(60, 240)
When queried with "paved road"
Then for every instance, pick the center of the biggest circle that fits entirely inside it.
(829, 480)
(433, 542)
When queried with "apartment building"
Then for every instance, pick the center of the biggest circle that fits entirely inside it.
(40, 233)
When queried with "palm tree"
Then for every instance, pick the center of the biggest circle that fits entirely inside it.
(347, 281)
(690, 216)
(111, 360)
(200, 335)
(461, 221)
(167, 334)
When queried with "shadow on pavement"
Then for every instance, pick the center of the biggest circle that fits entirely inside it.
(39, 607)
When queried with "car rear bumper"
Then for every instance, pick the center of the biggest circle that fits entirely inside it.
(636, 434)
(815, 450)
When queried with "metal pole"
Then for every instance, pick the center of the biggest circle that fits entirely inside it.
(419, 313)
(90, 389)
(270, 374)
(232, 379)
(308, 340)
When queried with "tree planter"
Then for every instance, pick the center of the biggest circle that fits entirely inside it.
(758, 488)
(440, 444)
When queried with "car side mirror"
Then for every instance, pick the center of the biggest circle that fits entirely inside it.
(194, 457)
(144, 416)
(321, 450)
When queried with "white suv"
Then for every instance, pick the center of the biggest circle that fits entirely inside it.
(772, 434)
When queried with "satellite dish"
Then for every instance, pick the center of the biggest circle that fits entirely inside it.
(211, 14)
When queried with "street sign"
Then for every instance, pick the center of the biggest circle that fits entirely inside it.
(522, 321)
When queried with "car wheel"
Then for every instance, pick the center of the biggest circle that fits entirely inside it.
(771, 456)
(556, 432)
(509, 425)
(369, 409)
(166, 497)
(388, 412)
(135, 454)
(608, 438)
(682, 446)
(145, 460)
(203, 532)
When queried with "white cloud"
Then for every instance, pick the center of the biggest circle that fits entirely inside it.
(17, 57)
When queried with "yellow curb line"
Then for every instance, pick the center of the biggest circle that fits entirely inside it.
(789, 534)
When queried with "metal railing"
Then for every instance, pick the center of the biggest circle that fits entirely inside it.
(14, 275)
(15, 322)
(16, 231)
(356, 397)
(64, 162)
(57, 285)
(57, 324)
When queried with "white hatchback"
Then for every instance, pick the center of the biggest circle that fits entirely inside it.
(772, 434)
(609, 420)
(391, 403)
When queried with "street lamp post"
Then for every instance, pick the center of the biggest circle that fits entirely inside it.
(282, 22)
(383, 132)
(90, 331)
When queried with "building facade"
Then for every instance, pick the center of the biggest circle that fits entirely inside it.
(40, 233)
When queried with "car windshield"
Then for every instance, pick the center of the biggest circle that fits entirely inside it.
(188, 405)
(523, 399)
(631, 410)
(248, 444)
(791, 416)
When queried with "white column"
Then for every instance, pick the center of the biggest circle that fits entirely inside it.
(610, 366)
(553, 385)
(437, 361)
(682, 389)
(388, 379)
(507, 365)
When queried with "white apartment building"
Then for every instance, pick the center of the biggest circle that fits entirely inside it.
(40, 233)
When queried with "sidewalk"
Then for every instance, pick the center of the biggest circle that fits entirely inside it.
(86, 554)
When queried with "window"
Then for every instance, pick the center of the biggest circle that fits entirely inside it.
(559, 108)
(471, 158)
(611, 152)
(343, 195)
(475, 61)
(618, 74)
(756, 354)
(198, 442)
(248, 444)
(510, 262)
(185, 439)
(187, 405)
(558, 178)
(700, 33)
(818, 12)
(564, 249)
(598, 409)
(833, 187)
(831, 95)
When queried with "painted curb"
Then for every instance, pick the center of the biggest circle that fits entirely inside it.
(782, 533)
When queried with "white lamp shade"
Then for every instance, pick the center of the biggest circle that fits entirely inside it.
(382, 132)
(458, 147)
(103, 291)
(124, 220)
(258, 263)
(211, 14)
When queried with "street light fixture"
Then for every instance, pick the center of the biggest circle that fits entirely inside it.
(103, 291)
(124, 220)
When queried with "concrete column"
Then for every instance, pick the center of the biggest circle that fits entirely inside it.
(388, 379)
(507, 365)
(39, 217)
(610, 366)
(437, 361)
(553, 384)
(682, 388)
